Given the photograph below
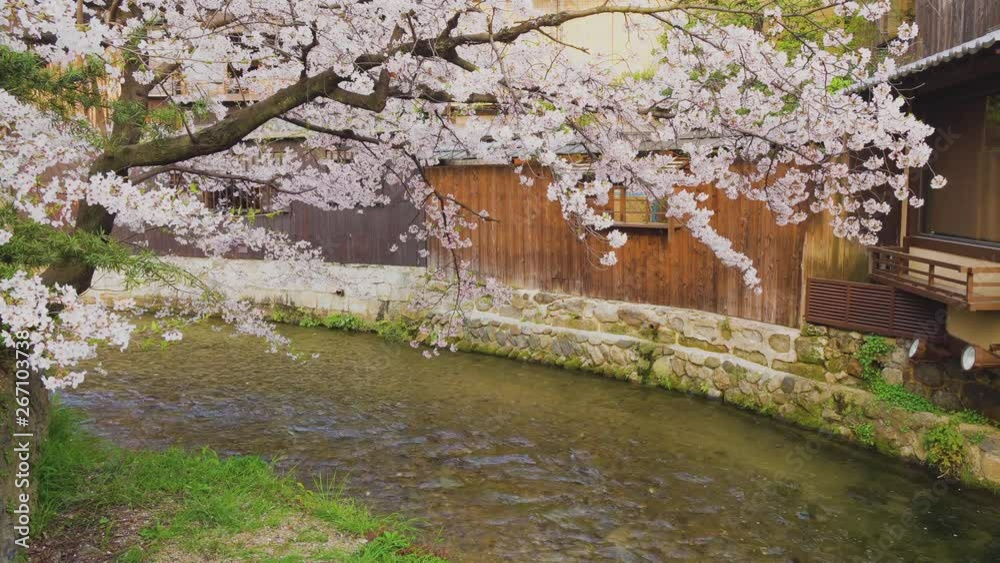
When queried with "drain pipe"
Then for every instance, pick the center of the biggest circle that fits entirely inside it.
(974, 357)
(923, 351)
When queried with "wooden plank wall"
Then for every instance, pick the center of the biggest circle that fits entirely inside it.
(345, 236)
(531, 246)
(946, 23)
(828, 256)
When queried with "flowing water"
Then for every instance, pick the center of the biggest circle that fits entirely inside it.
(512, 461)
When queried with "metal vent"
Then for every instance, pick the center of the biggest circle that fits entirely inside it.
(868, 307)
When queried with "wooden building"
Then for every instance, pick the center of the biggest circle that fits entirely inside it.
(807, 273)
(345, 236)
(949, 249)
(531, 246)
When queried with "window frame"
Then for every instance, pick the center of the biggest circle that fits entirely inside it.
(916, 235)
(667, 225)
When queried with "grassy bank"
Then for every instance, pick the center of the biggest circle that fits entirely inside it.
(397, 330)
(102, 503)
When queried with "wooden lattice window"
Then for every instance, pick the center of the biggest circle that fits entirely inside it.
(636, 209)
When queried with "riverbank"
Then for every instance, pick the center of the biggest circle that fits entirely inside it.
(838, 383)
(858, 388)
(517, 461)
(844, 385)
(101, 503)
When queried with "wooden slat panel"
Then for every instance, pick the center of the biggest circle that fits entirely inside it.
(947, 23)
(531, 246)
(868, 307)
(345, 236)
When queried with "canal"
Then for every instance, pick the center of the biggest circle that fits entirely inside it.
(512, 461)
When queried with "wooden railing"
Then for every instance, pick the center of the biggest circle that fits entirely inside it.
(973, 287)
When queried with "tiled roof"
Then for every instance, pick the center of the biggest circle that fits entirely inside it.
(937, 59)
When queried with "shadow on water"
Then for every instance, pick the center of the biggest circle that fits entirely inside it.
(513, 461)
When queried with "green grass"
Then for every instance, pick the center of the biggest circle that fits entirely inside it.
(897, 396)
(200, 502)
(967, 416)
(945, 448)
(865, 433)
(397, 331)
(869, 356)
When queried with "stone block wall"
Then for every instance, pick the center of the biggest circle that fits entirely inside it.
(808, 377)
(944, 382)
(818, 353)
(950, 387)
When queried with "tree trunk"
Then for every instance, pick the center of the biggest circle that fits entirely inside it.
(37, 427)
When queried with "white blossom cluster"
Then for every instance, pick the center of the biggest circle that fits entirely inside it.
(377, 85)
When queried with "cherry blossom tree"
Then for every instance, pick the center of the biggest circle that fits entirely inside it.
(753, 95)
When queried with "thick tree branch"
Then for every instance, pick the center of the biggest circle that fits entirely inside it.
(347, 134)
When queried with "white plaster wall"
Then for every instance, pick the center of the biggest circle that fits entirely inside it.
(361, 289)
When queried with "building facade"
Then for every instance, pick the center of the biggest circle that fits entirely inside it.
(933, 280)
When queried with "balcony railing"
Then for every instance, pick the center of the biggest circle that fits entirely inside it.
(976, 288)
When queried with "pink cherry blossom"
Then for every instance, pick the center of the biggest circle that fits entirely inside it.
(374, 88)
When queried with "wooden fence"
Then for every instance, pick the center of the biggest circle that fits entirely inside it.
(531, 246)
(947, 23)
(345, 236)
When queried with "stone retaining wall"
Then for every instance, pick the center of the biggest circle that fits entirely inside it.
(809, 377)
(368, 291)
(815, 352)
(950, 387)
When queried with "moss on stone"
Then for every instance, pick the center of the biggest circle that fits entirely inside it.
(751, 356)
(701, 344)
(742, 400)
(768, 409)
(835, 365)
(810, 349)
(286, 314)
(647, 348)
(649, 332)
(805, 418)
(616, 328)
(734, 369)
(579, 324)
(726, 328)
(812, 330)
(811, 371)
(887, 447)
